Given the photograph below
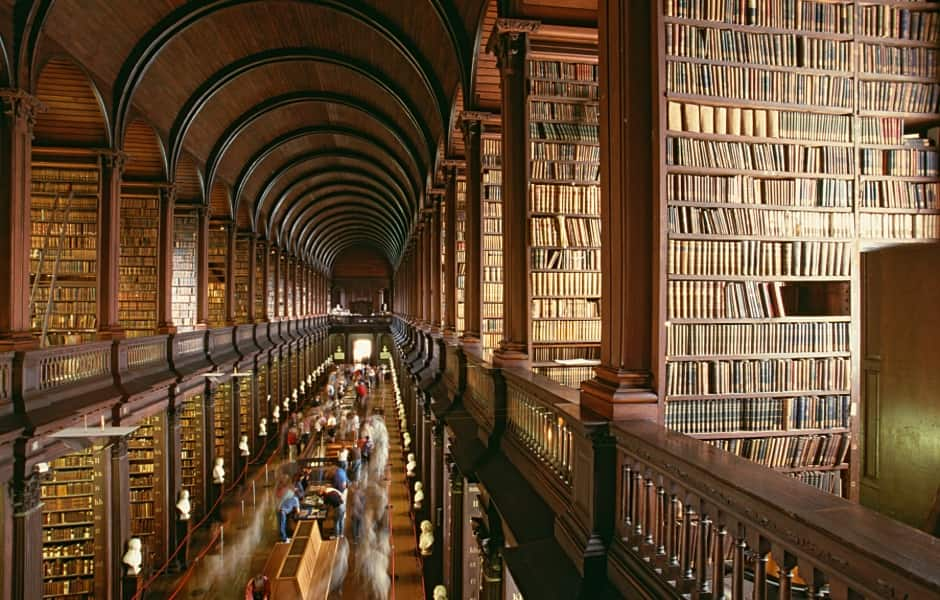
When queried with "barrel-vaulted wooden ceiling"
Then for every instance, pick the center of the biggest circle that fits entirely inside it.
(317, 122)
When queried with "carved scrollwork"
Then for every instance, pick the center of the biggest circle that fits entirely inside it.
(26, 494)
(21, 106)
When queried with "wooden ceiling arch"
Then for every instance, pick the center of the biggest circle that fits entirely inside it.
(188, 181)
(154, 41)
(337, 217)
(285, 101)
(355, 242)
(146, 156)
(335, 241)
(197, 102)
(74, 113)
(359, 158)
(325, 197)
(254, 162)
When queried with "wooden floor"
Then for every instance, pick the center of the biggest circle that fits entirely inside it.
(249, 537)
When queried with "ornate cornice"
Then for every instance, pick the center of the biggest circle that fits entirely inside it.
(21, 105)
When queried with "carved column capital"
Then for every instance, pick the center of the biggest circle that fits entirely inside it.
(509, 43)
(114, 159)
(168, 193)
(119, 448)
(26, 494)
(20, 105)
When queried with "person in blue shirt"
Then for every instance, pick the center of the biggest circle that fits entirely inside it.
(289, 504)
(340, 478)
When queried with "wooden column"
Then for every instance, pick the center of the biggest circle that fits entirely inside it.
(277, 283)
(26, 561)
(623, 383)
(510, 44)
(472, 127)
(120, 516)
(450, 252)
(17, 116)
(265, 279)
(454, 578)
(165, 244)
(252, 276)
(434, 264)
(202, 266)
(109, 245)
(231, 256)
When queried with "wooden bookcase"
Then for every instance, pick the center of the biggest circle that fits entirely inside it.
(275, 385)
(241, 258)
(789, 140)
(282, 286)
(140, 218)
(443, 250)
(218, 255)
(192, 452)
(491, 231)
(185, 268)
(63, 266)
(261, 395)
(245, 404)
(223, 432)
(73, 515)
(271, 283)
(461, 245)
(259, 299)
(564, 215)
(146, 451)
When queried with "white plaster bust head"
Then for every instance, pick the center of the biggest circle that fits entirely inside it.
(243, 448)
(276, 414)
(410, 467)
(406, 440)
(426, 539)
(218, 472)
(133, 558)
(419, 495)
(263, 427)
(184, 508)
(286, 402)
(303, 387)
(440, 592)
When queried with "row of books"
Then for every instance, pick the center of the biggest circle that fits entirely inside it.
(765, 223)
(885, 21)
(760, 85)
(894, 193)
(568, 132)
(785, 158)
(184, 270)
(84, 548)
(563, 89)
(64, 318)
(65, 534)
(540, 110)
(567, 308)
(827, 481)
(809, 15)
(64, 175)
(77, 233)
(566, 284)
(708, 377)
(899, 226)
(773, 123)
(66, 266)
(745, 189)
(771, 49)
(492, 293)
(555, 69)
(899, 96)
(562, 231)
(699, 339)
(906, 61)
(908, 162)
(792, 451)
(571, 152)
(743, 258)
(552, 198)
(492, 258)
(724, 300)
(52, 188)
(720, 415)
(567, 376)
(581, 172)
(565, 330)
(567, 259)
(553, 353)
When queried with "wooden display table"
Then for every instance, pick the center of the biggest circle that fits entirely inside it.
(302, 569)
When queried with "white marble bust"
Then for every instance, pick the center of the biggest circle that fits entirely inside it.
(419, 496)
(412, 463)
(263, 427)
(218, 472)
(243, 448)
(440, 593)
(276, 414)
(132, 558)
(426, 539)
(184, 508)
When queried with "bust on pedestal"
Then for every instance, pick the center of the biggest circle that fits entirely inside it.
(183, 513)
(132, 560)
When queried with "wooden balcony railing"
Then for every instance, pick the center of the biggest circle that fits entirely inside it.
(190, 342)
(144, 351)
(6, 377)
(71, 364)
(709, 524)
(542, 429)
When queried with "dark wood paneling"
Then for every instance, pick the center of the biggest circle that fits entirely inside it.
(486, 77)
(144, 153)
(219, 204)
(188, 180)
(74, 116)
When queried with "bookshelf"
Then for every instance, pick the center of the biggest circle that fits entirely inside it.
(72, 513)
(274, 384)
(147, 469)
(564, 216)
(461, 249)
(185, 269)
(261, 392)
(244, 408)
(241, 258)
(491, 214)
(282, 286)
(218, 253)
(192, 452)
(222, 436)
(259, 299)
(271, 283)
(65, 191)
(137, 296)
(771, 184)
(443, 263)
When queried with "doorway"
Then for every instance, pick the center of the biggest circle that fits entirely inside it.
(362, 351)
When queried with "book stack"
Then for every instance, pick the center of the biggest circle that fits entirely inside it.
(137, 294)
(242, 250)
(185, 270)
(218, 257)
(147, 468)
(192, 457)
(491, 208)
(461, 245)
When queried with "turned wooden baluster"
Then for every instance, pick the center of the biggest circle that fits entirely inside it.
(625, 483)
(737, 572)
(702, 581)
(687, 543)
(661, 521)
(672, 532)
(718, 561)
(760, 570)
(786, 575)
(638, 505)
(650, 526)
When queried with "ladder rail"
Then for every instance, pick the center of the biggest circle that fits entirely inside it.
(43, 341)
